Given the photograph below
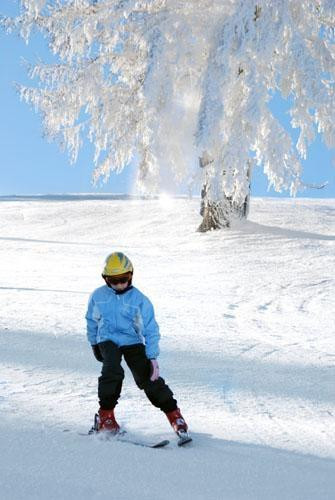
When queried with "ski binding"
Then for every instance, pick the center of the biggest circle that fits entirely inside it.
(184, 438)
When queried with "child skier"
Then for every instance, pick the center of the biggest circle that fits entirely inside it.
(121, 322)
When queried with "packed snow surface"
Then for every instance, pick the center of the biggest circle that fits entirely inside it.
(247, 325)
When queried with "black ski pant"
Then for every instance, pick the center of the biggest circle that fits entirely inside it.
(112, 375)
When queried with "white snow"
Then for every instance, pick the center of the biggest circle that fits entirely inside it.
(246, 318)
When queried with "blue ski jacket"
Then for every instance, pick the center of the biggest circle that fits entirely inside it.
(126, 319)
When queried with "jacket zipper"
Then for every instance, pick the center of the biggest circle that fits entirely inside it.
(116, 311)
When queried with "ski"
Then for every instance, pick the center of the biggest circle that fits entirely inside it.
(136, 442)
(123, 437)
(183, 438)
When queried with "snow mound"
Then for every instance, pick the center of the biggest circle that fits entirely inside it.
(246, 318)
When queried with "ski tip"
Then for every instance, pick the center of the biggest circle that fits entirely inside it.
(161, 444)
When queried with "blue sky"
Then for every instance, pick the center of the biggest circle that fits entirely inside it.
(31, 165)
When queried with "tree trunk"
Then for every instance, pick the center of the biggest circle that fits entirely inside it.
(219, 214)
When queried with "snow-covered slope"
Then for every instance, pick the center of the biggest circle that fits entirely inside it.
(247, 323)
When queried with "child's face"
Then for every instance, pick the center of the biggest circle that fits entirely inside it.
(119, 282)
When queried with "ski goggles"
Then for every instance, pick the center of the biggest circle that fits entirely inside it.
(117, 280)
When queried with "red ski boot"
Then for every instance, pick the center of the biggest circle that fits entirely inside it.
(106, 422)
(176, 420)
(179, 426)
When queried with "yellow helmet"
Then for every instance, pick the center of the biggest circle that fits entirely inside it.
(117, 263)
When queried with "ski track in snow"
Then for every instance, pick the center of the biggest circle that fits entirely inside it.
(246, 318)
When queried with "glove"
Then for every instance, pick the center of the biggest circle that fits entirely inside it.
(97, 353)
(154, 370)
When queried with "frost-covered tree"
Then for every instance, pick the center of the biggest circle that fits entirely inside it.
(180, 84)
